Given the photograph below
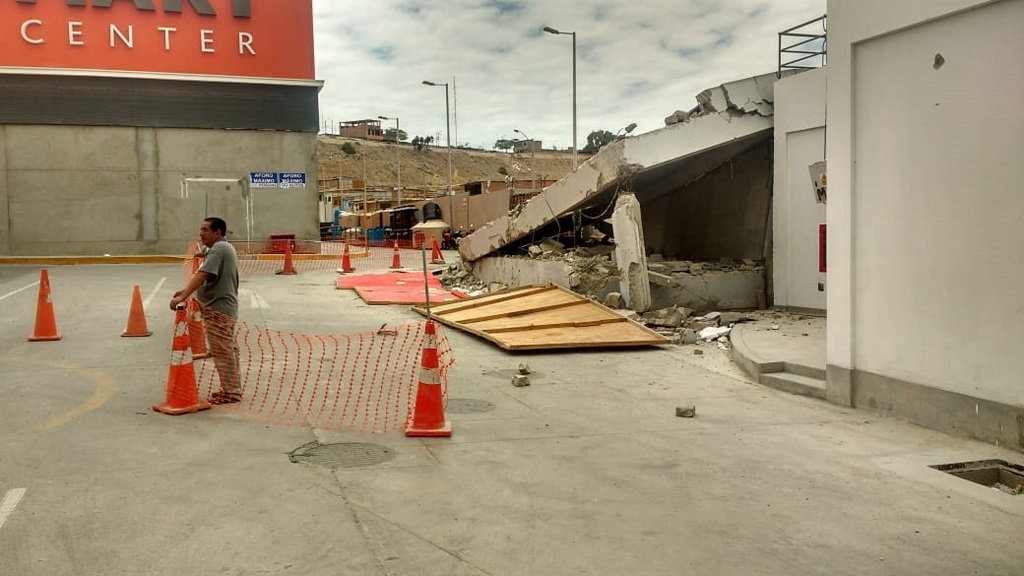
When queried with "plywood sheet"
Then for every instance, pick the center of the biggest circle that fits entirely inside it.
(543, 317)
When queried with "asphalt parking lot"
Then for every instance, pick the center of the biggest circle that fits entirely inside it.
(586, 471)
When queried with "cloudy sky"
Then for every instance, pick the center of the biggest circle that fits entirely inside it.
(636, 61)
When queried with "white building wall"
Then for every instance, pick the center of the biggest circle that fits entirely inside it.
(926, 210)
(796, 214)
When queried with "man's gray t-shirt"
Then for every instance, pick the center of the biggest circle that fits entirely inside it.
(220, 291)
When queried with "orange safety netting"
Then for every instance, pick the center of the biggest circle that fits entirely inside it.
(363, 382)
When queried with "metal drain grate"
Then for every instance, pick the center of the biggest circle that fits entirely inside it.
(468, 406)
(998, 474)
(341, 455)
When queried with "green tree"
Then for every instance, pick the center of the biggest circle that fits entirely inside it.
(421, 142)
(389, 135)
(597, 139)
(505, 144)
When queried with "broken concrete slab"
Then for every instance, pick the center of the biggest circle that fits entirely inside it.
(714, 333)
(671, 317)
(748, 96)
(630, 253)
(613, 300)
(667, 150)
(711, 290)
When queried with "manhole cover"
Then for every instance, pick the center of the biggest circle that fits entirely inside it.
(998, 474)
(341, 455)
(468, 406)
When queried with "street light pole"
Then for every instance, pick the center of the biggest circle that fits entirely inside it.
(398, 158)
(533, 164)
(551, 30)
(448, 132)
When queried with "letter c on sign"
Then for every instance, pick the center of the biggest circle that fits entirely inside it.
(24, 31)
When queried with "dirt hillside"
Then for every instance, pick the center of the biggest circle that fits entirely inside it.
(429, 166)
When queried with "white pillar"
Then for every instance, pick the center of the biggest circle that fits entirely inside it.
(631, 254)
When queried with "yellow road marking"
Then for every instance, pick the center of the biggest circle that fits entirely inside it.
(105, 386)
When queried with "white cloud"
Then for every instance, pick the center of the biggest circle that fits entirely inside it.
(636, 61)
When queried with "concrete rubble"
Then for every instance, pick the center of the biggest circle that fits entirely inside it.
(586, 231)
(734, 112)
(459, 276)
(747, 96)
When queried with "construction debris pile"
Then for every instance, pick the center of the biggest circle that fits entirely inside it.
(679, 324)
(459, 277)
(655, 263)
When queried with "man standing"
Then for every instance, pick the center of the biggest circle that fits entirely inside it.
(217, 285)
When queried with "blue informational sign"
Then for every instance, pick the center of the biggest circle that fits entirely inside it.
(293, 179)
(264, 179)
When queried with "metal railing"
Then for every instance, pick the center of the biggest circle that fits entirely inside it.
(803, 47)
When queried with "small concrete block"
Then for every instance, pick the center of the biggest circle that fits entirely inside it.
(686, 411)
(689, 336)
(613, 300)
(698, 352)
(524, 368)
(520, 381)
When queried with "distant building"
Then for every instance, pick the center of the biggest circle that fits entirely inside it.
(528, 145)
(365, 129)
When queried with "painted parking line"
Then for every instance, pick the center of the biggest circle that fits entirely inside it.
(22, 289)
(9, 503)
(256, 301)
(149, 299)
(105, 387)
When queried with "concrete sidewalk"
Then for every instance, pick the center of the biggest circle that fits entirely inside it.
(783, 350)
(586, 471)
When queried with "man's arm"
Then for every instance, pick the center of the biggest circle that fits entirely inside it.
(197, 280)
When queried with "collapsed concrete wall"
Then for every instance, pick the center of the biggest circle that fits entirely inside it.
(654, 164)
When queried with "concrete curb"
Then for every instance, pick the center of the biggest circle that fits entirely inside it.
(73, 260)
(748, 360)
(777, 374)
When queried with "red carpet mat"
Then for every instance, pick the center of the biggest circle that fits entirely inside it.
(395, 288)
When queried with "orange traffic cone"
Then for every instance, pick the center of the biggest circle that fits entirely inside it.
(435, 254)
(136, 317)
(346, 262)
(289, 268)
(196, 330)
(182, 391)
(428, 415)
(195, 319)
(396, 261)
(46, 325)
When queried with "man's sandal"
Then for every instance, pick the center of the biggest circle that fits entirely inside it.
(218, 398)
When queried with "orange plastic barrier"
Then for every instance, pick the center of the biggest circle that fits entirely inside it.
(136, 318)
(46, 324)
(435, 254)
(396, 261)
(289, 266)
(361, 382)
(182, 392)
(428, 417)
